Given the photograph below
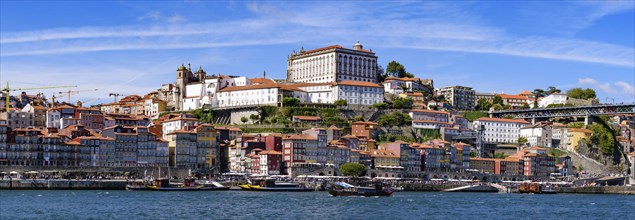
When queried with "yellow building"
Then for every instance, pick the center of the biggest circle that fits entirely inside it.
(207, 150)
(384, 158)
(574, 135)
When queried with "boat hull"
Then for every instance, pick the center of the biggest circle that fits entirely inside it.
(275, 189)
(365, 194)
(187, 188)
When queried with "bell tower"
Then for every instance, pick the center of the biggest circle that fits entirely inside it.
(182, 79)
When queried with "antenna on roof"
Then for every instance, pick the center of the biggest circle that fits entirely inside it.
(264, 74)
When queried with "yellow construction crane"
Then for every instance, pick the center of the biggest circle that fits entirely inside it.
(74, 92)
(7, 90)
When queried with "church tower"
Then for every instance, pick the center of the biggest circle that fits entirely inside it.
(182, 79)
(201, 74)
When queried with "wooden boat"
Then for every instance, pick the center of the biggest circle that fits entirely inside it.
(187, 185)
(345, 189)
(272, 186)
(536, 188)
(137, 185)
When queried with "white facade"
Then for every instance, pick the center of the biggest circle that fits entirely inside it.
(332, 64)
(53, 118)
(318, 92)
(249, 95)
(498, 130)
(395, 85)
(172, 125)
(359, 93)
(538, 135)
(556, 98)
(151, 107)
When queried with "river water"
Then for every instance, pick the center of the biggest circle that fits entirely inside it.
(95, 204)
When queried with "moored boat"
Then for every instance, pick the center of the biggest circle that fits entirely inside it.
(187, 185)
(345, 189)
(272, 186)
(137, 185)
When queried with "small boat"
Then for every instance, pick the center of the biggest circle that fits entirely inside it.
(272, 186)
(345, 189)
(137, 185)
(187, 185)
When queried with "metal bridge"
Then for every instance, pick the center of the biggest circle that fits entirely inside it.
(583, 111)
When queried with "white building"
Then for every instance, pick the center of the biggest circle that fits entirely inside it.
(394, 85)
(178, 123)
(153, 107)
(332, 64)
(538, 135)
(263, 94)
(318, 92)
(53, 118)
(499, 130)
(359, 93)
(556, 98)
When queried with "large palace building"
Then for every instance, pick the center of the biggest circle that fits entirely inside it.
(332, 64)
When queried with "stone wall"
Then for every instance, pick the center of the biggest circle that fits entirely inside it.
(237, 114)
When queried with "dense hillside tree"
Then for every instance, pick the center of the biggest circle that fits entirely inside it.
(353, 169)
(579, 93)
(483, 104)
(395, 68)
(497, 100)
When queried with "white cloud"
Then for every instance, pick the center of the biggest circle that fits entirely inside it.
(153, 15)
(618, 88)
(605, 87)
(175, 18)
(402, 25)
(626, 88)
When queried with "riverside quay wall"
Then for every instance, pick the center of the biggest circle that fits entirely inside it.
(42, 184)
(628, 190)
(72, 172)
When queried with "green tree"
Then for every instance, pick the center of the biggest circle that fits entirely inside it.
(394, 119)
(579, 93)
(254, 118)
(538, 93)
(402, 103)
(290, 101)
(340, 103)
(497, 100)
(359, 118)
(521, 141)
(472, 154)
(551, 90)
(380, 105)
(483, 104)
(203, 115)
(603, 136)
(497, 107)
(395, 68)
(244, 119)
(353, 169)
(575, 125)
(507, 106)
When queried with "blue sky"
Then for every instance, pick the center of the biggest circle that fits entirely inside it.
(496, 46)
